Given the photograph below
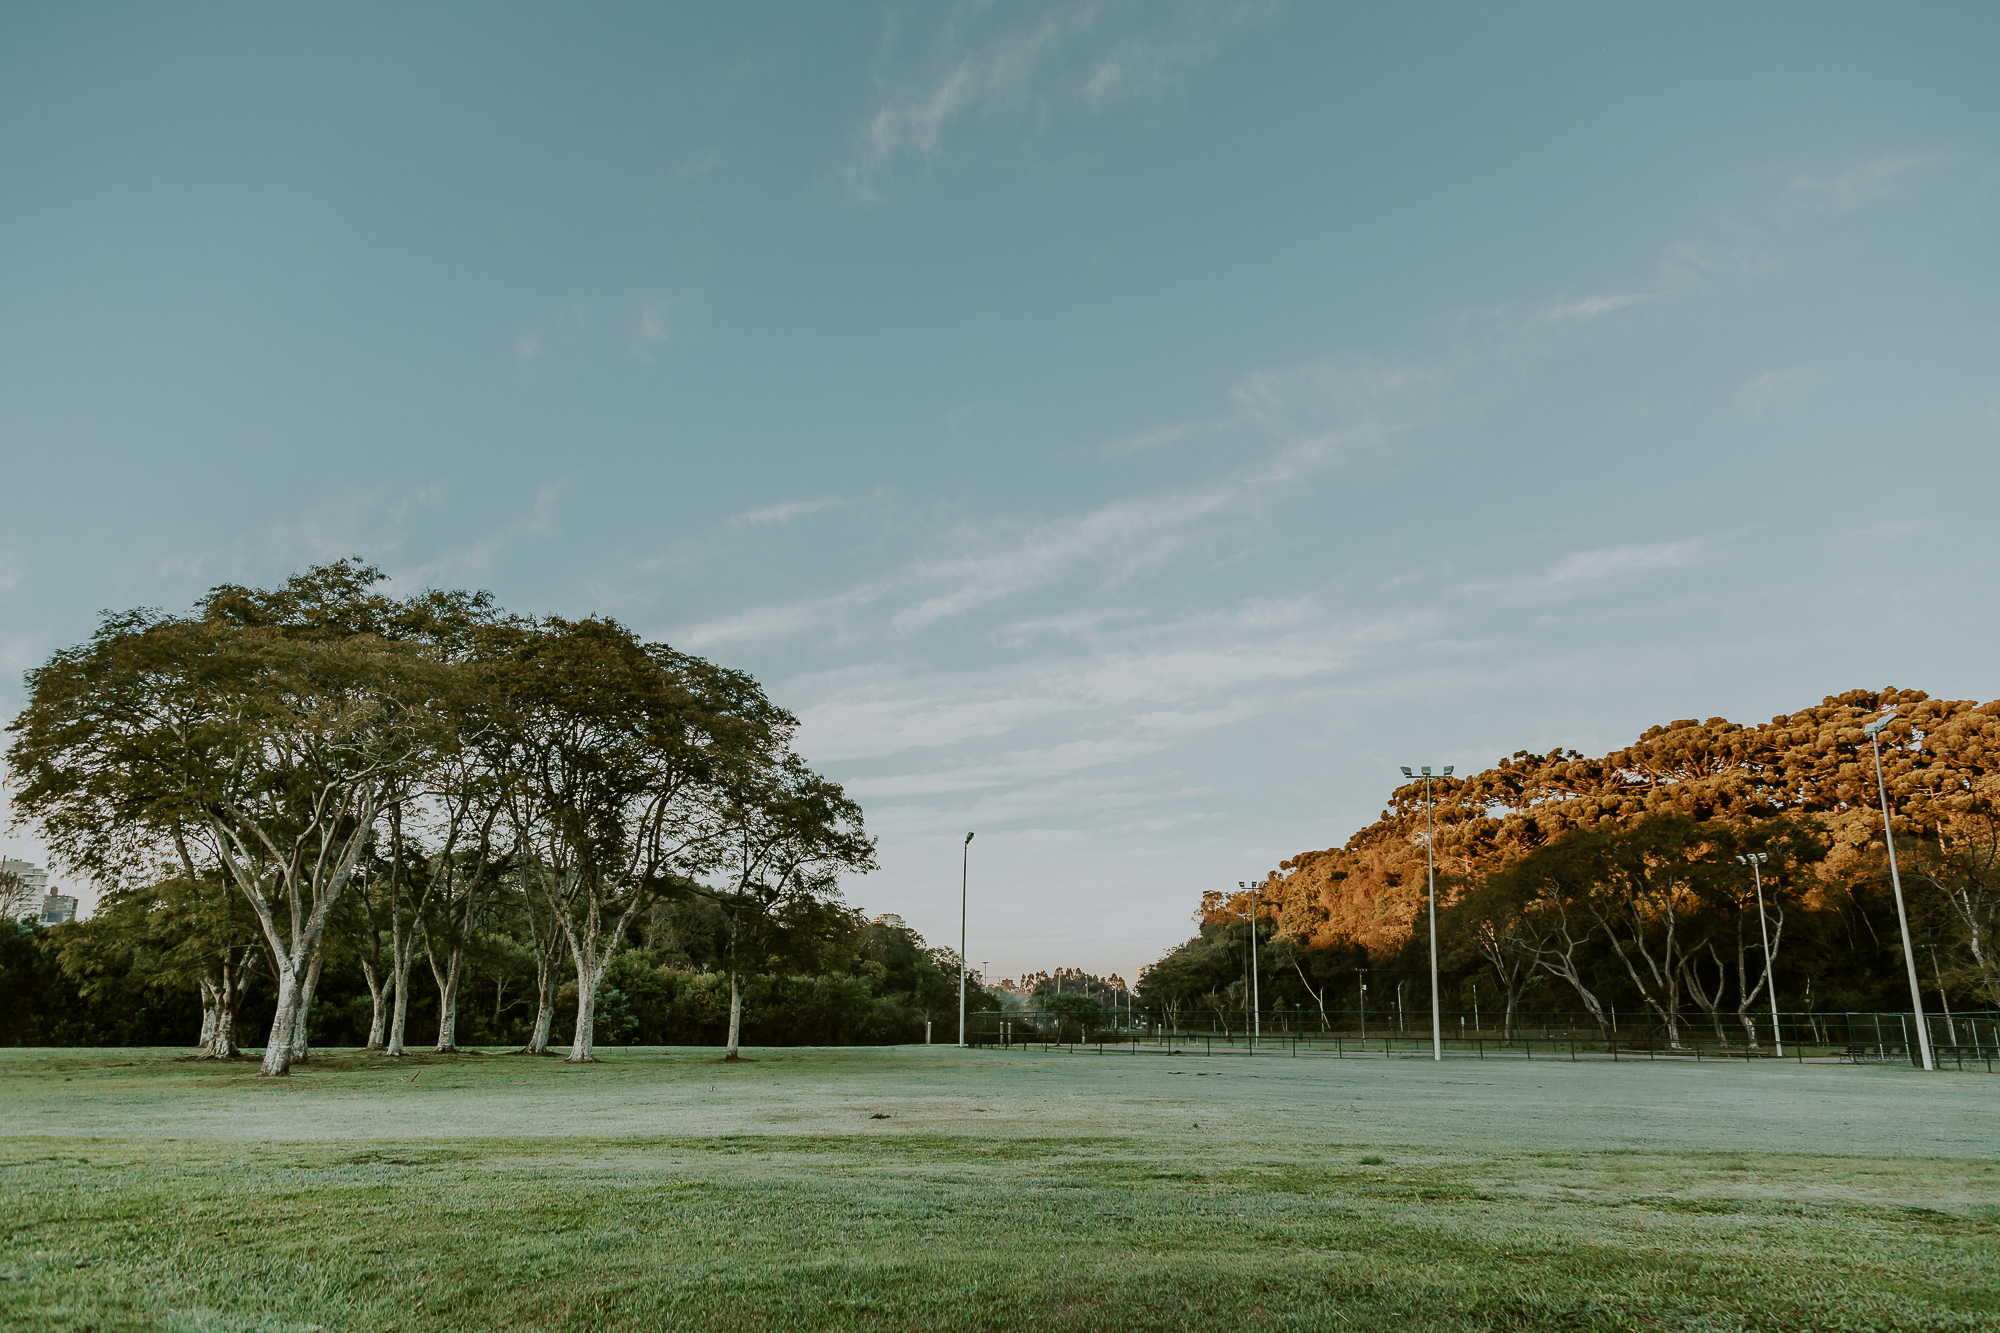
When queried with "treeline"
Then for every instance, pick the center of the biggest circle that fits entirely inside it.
(336, 815)
(1621, 884)
(96, 983)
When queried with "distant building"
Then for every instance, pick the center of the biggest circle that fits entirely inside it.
(24, 902)
(58, 908)
(32, 875)
(891, 920)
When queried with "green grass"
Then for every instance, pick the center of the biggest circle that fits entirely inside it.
(914, 1188)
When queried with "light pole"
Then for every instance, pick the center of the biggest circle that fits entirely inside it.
(964, 864)
(1362, 1000)
(1755, 860)
(1256, 1004)
(1873, 731)
(1431, 895)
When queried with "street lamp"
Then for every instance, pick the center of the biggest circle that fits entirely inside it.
(1755, 860)
(1256, 1005)
(964, 863)
(1873, 731)
(1430, 876)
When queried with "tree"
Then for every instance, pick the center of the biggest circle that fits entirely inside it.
(1962, 867)
(177, 934)
(1074, 1007)
(787, 836)
(1491, 921)
(617, 750)
(272, 755)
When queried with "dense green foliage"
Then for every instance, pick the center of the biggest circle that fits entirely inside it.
(877, 984)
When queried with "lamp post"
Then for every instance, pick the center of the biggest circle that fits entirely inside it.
(1256, 1004)
(1362, 1000)
(964, 865)
(1431, 896)
(1873, 731)
(1755, 860)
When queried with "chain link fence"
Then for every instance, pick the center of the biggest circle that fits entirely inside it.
(1968, 1041)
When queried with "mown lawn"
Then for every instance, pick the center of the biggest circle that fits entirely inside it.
(933, 1188)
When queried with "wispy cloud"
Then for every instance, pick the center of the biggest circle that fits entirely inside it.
(1014, 767)
(1071, 59)
(1300, 422)
(1566, 309)
(1852, 188)
(1757, 392)
(1581, 570)
(786, 512)
(1613, 561)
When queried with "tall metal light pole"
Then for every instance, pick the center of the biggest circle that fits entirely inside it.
(1873, 731)
(964, 864)
(1755, 861)
(1256, 1004)
(1430, 875)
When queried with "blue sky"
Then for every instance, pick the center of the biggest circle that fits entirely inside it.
(1128, 430)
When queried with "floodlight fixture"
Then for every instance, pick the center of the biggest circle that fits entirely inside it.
(1256, 1003)
(1407, 773)
(964, 865)
(1430, 896)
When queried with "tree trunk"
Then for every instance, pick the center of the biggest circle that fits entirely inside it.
(301, 1044)
(208, 1008)
(222, 1043)
(545, 1014)
(735, 1015)
(448, 979)
(402, 957)
(1507, 1021)
(379, 1020)
(1709, 1003)
(586, 1026)
(220, 1040)
(278, 1047)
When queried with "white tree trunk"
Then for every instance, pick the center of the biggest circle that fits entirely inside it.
(735, 1014)
(545, 1015)
(301, 1044)
(448, 980)
(208, 1008)
(378, 1021)
(399, 1009)
(586, 1024)
(278, 1048)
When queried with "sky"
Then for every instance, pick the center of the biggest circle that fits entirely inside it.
(1127, 431)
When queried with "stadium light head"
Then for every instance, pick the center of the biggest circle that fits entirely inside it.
(1447, 770)
(1407, 773)
(1427, 770)
(968, 837)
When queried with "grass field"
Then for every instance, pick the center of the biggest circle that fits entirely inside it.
(931, 1188)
